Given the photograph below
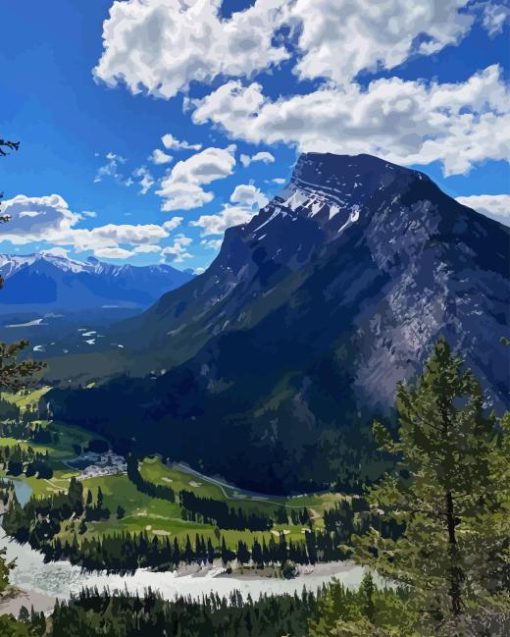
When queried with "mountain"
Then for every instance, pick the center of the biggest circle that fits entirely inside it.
(269, 367)
(45, 282)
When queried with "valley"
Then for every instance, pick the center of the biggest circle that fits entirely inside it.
(255, 318)
(150, 506)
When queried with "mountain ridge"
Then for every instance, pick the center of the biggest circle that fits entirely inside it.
(45, 281)
(298, 332)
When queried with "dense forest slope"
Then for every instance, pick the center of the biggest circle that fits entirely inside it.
(269, 366)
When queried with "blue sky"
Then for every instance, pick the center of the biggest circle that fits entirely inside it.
(239, 88)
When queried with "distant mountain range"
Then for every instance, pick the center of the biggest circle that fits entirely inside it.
(268, 367)
(45, 282)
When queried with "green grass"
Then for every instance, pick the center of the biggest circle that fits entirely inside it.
(163, 518)
(24, 399)
(58, 453)
(160, 517)
(154, 470)
(154, 515)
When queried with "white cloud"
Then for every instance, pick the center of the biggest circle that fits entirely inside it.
(495, 16)
(145, 179)
(147, 248)
(494, 206)
(170, 142)
(263, 156)
(279, 180)
(163, 45)
(404, 121)
(177, 252)
(182, 188)
(173, 223)
(34, 218)
(212, 244)
(340, 38)
(218, 223)
(158, 157)
(248, 195)
(114, 252)
(111, 169)
(49, 219)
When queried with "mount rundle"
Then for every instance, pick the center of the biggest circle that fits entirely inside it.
(297, 333)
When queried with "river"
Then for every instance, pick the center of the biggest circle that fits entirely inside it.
(61, 579)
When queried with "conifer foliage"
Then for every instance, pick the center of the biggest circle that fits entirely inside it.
(450, 492)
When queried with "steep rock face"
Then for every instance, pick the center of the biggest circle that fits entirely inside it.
(282, 351)
(440, 268)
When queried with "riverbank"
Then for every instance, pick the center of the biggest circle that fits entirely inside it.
(61, 579)
(16, 598)
(41, 583)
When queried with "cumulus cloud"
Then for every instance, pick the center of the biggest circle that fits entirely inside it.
(159, 157)
(494, 206)
(163, 45)
(177, 252)
(182, 188)
(33, 218)
(340, 38)
(173, 223)
(263, 156)
(404, 121)
(248, 195)
(218, 223)
(279, 180)
(170, 142)
(49, 219)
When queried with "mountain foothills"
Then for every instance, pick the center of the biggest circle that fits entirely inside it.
(269, 367)
(47, 282)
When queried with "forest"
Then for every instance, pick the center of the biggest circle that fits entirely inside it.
(442, 549)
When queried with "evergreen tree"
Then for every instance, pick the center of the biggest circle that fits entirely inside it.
(14, 374)
(448, 493)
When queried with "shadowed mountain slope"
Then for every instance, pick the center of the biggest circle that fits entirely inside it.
(268, 367)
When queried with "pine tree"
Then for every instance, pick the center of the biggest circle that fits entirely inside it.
(13, 374)
(447, 493)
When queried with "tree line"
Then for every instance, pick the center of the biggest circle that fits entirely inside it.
(25, 425)
(145, 486)
(211, 511)
(41, 519)
(18, 459)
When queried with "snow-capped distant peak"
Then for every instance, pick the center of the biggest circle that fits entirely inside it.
(62, 262)
(52, 281)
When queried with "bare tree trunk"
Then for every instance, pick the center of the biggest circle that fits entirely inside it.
(456, 574)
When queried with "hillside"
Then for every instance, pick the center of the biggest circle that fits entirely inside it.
(283, 350)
